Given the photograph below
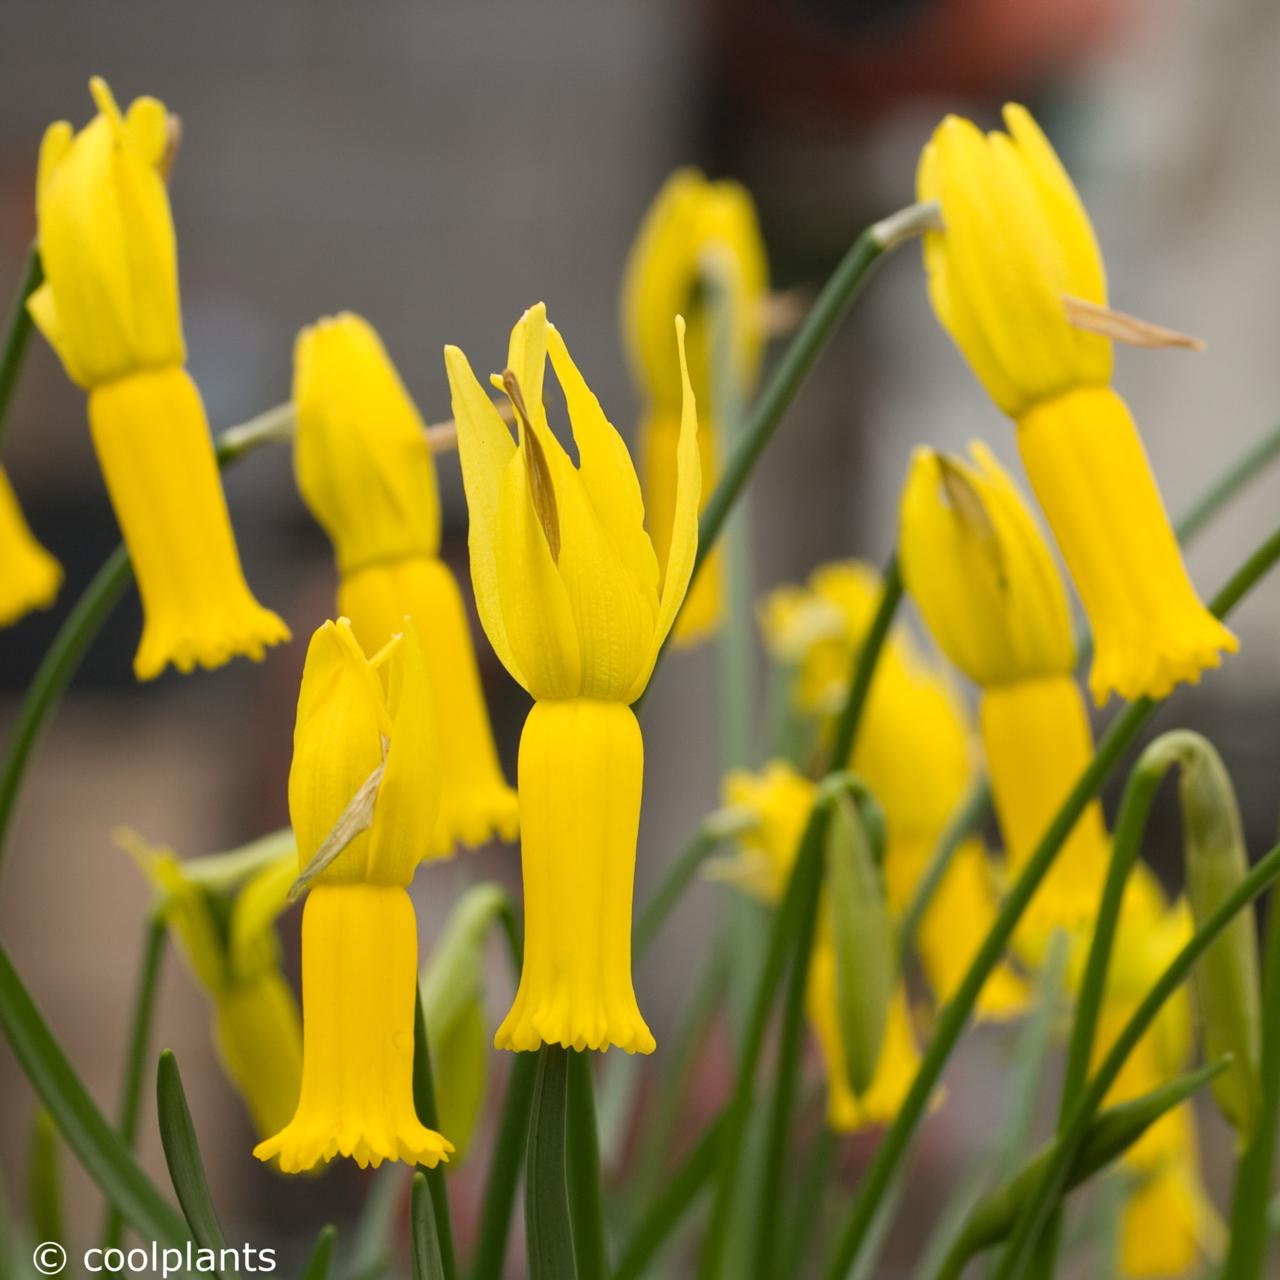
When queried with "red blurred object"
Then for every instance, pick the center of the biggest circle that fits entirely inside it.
(841, 61)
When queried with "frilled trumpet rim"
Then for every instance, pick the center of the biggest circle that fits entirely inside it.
(153, 445)
(1090, 473)
(359, 974)
(581, 769)
(476, 803)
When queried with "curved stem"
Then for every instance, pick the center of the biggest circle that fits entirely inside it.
(136, 1062)
(845, 737)
(955, 1016)
(802, 888)
(63, 657)
(1049, 1187)
(17, 332)
(786, 1075)
(1250, 1224)
(1135, 808)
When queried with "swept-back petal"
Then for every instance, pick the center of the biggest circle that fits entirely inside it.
(608, 475)
(485, 448)
(537, 615)
(252, 944)
(684, 525)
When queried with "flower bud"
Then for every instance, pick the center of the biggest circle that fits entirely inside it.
(1226, 979)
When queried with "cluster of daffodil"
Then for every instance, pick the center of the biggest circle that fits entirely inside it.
(581, 570)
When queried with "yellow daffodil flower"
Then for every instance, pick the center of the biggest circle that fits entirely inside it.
(365, 469)
(570, 595)
(779, 800)
(235, 958)
(1009, 276)
(915, 750)
(31, 575)
(359, 933)
(109, 308)
(694, 230)
(1169, 1226)
(977, 566)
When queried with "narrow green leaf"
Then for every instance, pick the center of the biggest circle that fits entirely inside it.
(865, 944)
(582, 1156)
(104, 1157)
(426, 1242)
(504, 1169)
(317, 1267)
(548, 1234)
(44, 1180)
(375, 1227)
(1109, 1136)
(182, 1155)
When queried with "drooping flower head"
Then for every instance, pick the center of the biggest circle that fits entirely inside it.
(359, 934)
(697, 236)
(979, 570)
(365, 470)
(31, 575)
(574, 604)
(109, 308)
(1016, 279)
(232, 951)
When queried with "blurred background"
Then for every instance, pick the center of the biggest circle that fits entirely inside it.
(438, 165)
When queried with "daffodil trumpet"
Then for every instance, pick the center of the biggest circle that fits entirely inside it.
(359, 933)
(1017, 280)
(364, 467)
(977, 565)
(109, 308)
(570, 594)
(694, 230)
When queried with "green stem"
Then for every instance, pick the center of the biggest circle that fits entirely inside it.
(424, 1102)
(1250, 1216)
(802, 887)
(582, 1159)
(955, 1016)
(845, 737)
(671, 1205)
(737, 684)
(144, 1004)
(1135, 808)
(1049, 1187)
(786, 1075)
(17, 332)
(966, 820)
(63, 657)
(504, 1170)
(804, 1234)
(1239, 475)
